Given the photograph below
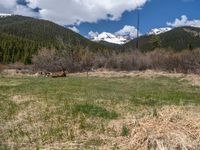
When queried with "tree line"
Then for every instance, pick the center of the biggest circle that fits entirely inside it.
(84, 60)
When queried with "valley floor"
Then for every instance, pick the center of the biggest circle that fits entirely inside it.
(107, 110)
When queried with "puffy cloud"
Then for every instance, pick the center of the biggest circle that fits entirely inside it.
(184, 22)
(129, 31)
(25, 11)
(13, 7)
(69, 12)
(32, 3)
(77, 11)
(75, 29)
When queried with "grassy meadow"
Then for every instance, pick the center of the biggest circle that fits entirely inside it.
(92, 113)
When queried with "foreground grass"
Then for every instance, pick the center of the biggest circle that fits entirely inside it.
(38, 112)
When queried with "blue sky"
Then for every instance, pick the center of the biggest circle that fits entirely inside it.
(154, 14)
(111, 16)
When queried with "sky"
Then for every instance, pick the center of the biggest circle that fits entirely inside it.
(90, 17)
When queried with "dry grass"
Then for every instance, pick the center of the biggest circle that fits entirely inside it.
(173, 127)
(45, 117)
(106, 73)
(18, 99)
(193, 78)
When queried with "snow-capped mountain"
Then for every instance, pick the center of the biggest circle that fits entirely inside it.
(108, 37)
(158, 31)
(4, 15)
(119, 38)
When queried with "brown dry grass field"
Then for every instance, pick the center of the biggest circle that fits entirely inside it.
(147, 110)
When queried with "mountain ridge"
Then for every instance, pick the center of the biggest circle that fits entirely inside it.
(176, 39)
(27, 35)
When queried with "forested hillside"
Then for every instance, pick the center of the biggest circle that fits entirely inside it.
(177, 39)
(21, 37)
(13, 48)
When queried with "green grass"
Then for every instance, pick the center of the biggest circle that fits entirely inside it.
(55, 109)
(94, 111)
(166, 90)
(125, 131)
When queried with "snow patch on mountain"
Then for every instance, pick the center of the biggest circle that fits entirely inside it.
(122, 36)
(4, 15)
(108, 37)
(158, 31)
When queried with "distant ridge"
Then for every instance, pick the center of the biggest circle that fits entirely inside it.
(177, 39)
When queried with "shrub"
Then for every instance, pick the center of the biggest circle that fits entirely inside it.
(52, 60)
(83, 60)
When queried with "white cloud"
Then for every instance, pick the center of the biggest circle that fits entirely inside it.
(25, 11)
(32, 3)
(75, 29)
(129, 31)
(70, 12)
(76, 11)
(7, 6)
(11, 6)
(184, 22)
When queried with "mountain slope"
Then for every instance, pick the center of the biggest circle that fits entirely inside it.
(13, 48)
(177, 39)
(42, 33)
